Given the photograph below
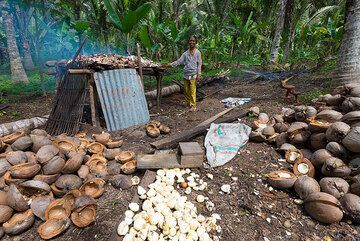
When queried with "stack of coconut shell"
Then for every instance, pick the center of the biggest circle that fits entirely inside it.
(154, 128)
(55, 179)
(321, 142)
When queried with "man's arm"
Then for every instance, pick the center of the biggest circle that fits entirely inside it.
(179, 61)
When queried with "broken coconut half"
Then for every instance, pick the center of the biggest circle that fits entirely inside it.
(152, 130)
(93, 187)
(102, 138)
(129, 167)
(53, 227)
(114, 144)
(125, 156)
(65, 144)
(292, 155)
(304, 167)
(95, 148)
(97, 165)
(58, 209)
(11, 138)
(281, 179)
(19, 222)
(84, 211)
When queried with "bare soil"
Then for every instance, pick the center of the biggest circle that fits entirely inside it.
(252, 211)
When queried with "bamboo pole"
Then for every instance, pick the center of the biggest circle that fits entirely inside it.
(139, 63)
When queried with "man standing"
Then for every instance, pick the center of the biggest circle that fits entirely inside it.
(192, 71)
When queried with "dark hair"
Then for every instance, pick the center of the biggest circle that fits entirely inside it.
(193, 36)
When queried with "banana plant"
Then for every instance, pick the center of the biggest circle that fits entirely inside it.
(126, 22)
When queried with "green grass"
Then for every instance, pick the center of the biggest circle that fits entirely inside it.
(34, 87)
(310, 95)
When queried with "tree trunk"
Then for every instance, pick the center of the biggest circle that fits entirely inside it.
(349, 61)
(22, 17)
(38, 56)
(288, 26)
(275, 46)
(17, 70)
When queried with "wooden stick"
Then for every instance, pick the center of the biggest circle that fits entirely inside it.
(92, 101)
(172, 141)
(80, 71)
(139, 63)
(158, 90)
(148, 178)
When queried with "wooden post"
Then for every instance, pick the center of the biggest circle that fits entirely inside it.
(139, 63)
(92, 100)
(158, 91)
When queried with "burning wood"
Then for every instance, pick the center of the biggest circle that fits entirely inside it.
(110, 61)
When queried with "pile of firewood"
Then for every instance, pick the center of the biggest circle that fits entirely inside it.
(111, 61)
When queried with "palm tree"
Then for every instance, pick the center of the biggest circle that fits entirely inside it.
(18, 73)
(349, 61)
(274, 52)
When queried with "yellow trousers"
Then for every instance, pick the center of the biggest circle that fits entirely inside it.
(190, 92)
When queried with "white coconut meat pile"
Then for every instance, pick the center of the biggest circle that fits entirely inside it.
(167, 215)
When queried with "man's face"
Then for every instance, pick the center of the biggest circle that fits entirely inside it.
(192, 42)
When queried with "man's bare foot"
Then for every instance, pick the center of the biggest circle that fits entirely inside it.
(192, 109)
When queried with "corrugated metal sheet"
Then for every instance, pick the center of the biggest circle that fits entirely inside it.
(122, 98)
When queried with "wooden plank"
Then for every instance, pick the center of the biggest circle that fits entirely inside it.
(173, 140)
(158, 90)
(148, 178)
(190, 148)
(156, 161)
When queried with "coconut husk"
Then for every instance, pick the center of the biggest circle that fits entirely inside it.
(152, 130)
(268, 131)
(281, 127)
(351, 206)
(337, 150)
(121, 181)
(16, 200)
(39, 204)
(329, 115)
(352, 140)
(304, 167)
(32, 188)
(39, 132)
(10, 180)
(335, 167)
(53, 227)
(164, 129)
(39, 141)
(335, 186)
(102, 138)
(68, 182)
(93, 187)
(83, 172)
(11, 138)
(299, 137)
(319, 157)
(4, 166)
(70, 197)
(73, 164)
(257, 136)
(114, 144)
(49, 179)
(46, 153)
(351, 104)
(129, 167)
(306, 153)
(19, 222)
(282, 139)
(318, 126)
(84, 211)
(58, 209)
(281, 179)
(318, 141)
(354, 165)
(54, 166)
(5, 213)
(125, 156)
(156, 123)
(337, 131)
(24, 170)
(95, 148)
(323, 207)
(351, 117)
(110, 154)
(306, 185)
(22, 143)
(16, 157)
(31, 157)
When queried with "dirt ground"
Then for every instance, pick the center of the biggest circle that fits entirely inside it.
(252, 210)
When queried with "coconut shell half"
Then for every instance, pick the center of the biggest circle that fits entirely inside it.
(16, 200)
(97, 165)
(46, 153)
(10, 180)
(304, 167)
(73, 164)
(129, 167)
(152, 131)
(306, 185)
(351, 206)
(4, 166)
(281, 179)
(335, 167)
(24, 170)
(39, 204)
(102, 138)
(125, 156)
(323, 207)
(329, 116)
(93, 187)
(54, 166)
(11, 138)
(53, 227)
(5, 213)
(16, 157)
(164, 129)
(319, 157)
(95, 148)
(49, 179)
(66, 144)
(34, 188)
(318, 126)
(22, 143)
(19, 222)
(292, 155)
(114, 144)
(58, 209)
(110, 154)
(352, 140)
(84, 211)
(335, 186)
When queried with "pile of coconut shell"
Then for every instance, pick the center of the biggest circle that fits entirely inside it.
(55, 179)
(154, 128)
(321, 143)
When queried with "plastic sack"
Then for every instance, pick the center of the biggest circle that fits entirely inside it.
(223, 141)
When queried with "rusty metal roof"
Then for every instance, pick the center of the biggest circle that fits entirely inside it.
(122, 98)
